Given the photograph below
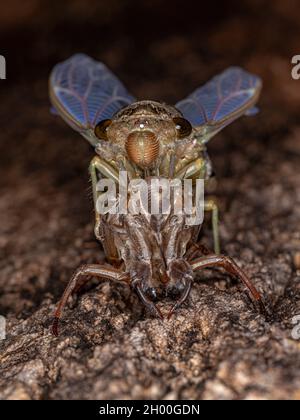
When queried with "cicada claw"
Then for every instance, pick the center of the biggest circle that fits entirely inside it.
(148, 303)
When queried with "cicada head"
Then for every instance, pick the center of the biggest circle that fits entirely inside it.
(146, 134)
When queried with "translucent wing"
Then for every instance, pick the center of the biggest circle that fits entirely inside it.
(220, 101)
(83, 92)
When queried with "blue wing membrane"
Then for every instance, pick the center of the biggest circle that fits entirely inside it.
(84, 91)
(223, 99)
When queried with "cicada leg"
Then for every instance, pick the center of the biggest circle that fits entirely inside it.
(195, 170)
(180, 274)
(230, 266)
(97, 165)
(81, 276)
(152, 308)
(211, 206)
(197, 250)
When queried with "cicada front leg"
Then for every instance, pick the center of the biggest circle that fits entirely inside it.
(181, 279)
(231, 267)
(196, 250)
(97, 168)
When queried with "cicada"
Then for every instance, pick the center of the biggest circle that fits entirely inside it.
(157, 255)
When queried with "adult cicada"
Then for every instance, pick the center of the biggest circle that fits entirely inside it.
(156, 254)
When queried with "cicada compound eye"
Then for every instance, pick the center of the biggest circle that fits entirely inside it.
(101, 129)
(183, 127)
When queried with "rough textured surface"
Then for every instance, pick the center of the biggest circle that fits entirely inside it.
(217, 346)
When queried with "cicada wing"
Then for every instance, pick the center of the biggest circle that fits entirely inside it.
(84, 91)
(223, 99)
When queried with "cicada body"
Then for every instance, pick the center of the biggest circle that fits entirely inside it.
(156, 253)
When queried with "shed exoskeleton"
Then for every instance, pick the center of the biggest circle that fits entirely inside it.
(156, 254)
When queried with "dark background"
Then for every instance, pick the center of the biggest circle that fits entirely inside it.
(161, 50)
